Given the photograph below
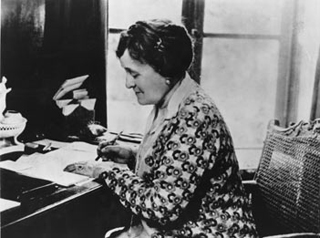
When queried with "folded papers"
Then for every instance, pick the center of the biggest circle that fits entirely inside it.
(78, 111)
(80, 96)
(69, 85)
(87, 104)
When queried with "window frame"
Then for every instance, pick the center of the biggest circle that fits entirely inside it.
(288, 74)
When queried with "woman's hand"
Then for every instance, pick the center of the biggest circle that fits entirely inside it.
(115, 152)
(91, 169)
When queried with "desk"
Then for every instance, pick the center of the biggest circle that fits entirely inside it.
(86, 210)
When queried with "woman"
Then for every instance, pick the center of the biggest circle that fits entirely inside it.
(186, 179)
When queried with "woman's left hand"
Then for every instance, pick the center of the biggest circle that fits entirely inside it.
(91, 168)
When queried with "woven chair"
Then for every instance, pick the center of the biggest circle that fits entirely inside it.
(286, 188)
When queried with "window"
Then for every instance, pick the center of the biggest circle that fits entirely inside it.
(239, 69)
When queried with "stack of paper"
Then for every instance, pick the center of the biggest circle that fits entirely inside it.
(50, 166)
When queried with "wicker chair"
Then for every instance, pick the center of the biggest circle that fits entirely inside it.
(286, 188)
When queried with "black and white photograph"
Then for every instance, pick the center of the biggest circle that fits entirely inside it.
(160, 119)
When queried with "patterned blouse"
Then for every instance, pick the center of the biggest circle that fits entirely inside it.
(186, 182)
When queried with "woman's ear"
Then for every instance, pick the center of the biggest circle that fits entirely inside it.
(171, 81)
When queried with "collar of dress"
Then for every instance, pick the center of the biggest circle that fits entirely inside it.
(176, 95)
(167, 110)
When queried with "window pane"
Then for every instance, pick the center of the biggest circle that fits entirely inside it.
(241, 77)
(123, 13)
(243, 16)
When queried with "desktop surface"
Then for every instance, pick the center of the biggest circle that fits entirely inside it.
(47, 209)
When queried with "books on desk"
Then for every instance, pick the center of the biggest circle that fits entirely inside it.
(50, 166)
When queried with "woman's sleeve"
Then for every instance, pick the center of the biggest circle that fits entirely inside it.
(186, 147)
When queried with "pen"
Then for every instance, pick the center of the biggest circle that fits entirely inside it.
(112, 142)
(47, 147)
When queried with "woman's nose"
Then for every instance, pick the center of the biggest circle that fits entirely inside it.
(129, 81)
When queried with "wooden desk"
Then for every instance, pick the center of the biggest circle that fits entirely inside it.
(88, 210)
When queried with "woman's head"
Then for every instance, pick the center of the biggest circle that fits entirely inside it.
(166, 47)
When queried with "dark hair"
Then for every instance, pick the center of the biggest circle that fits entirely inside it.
(165, 46)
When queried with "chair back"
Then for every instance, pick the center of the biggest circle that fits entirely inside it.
(288, 179)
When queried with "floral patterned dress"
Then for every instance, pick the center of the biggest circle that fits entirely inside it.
(186, 182)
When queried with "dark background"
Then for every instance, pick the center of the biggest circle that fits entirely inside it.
(43, 43)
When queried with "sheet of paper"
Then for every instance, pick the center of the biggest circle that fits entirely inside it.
(82, 146)
(59, 177)
(62, 103)
(11, 165)
(6, 204)
(88, 103)
(50, 166)
(69, 85)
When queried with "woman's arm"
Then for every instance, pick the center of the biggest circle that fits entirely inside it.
(177, 165)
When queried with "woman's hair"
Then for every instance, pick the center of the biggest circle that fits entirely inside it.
(165, 46)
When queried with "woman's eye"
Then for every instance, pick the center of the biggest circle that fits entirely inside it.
(134, 75)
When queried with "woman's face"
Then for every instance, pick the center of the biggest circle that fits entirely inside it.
(148, 85)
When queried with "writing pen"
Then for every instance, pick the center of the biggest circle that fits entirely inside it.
(47, 147)
(112, 142)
